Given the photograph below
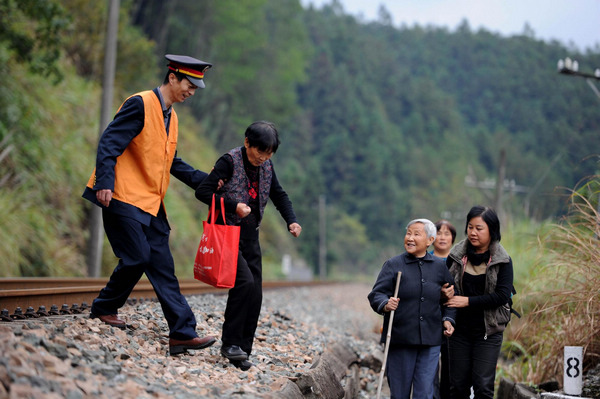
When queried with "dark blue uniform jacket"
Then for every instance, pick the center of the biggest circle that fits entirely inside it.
(127, 124)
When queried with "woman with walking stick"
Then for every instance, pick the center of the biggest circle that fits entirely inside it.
(413, 344)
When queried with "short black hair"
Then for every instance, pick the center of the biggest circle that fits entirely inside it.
(440, 223)
(178, 75)
(263, 135)
(490, 218)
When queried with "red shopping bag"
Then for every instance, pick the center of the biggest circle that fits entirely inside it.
(216, 259)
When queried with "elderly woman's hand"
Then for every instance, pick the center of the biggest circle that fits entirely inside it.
(392, 304)
(448, 328)
(295, 229)
(458, 302)
(242, 210)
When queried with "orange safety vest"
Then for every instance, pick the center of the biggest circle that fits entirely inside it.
(142, 171)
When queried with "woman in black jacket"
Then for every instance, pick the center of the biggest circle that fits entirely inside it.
(483, 277)
(249, 182)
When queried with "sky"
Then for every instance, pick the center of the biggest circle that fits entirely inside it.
(571, 22)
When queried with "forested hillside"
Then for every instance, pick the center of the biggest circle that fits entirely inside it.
(385, 122)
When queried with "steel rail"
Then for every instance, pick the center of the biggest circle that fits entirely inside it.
(30, 297)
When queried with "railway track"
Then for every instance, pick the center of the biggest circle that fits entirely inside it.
(22, 298)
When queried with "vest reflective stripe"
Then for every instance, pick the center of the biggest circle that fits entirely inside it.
(142, 171)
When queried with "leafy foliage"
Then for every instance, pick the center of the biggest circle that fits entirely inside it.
(31, 29)
(84, 41)
(384, 122)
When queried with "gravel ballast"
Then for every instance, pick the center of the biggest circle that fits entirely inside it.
(78, 357)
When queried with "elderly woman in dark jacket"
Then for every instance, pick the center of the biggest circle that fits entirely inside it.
(249, 183)
(483, 277)
(419, 316)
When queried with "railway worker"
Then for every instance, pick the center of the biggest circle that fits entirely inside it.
(419, 316)
(135, 154)
(250, 181)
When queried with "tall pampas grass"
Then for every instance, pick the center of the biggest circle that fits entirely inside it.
(563, 300)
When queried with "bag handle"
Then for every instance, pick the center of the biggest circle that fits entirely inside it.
(212, 215)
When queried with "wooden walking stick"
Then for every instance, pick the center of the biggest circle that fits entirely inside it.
(387, 339)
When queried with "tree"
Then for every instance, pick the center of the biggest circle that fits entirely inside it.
(32, 30)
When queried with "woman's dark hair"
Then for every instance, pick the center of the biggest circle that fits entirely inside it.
(263, 135)
(490, 218)
(440, 223)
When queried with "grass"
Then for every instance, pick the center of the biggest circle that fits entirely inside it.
(559, 297)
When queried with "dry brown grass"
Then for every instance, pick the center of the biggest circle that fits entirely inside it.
(563, 300)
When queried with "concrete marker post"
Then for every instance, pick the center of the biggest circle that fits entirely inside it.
(573, 370)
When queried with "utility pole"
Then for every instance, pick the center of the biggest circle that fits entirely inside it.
(571, 67)
(322, 239)
(538, 183)
(96, 239)
(496, 186)
(499, 184)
